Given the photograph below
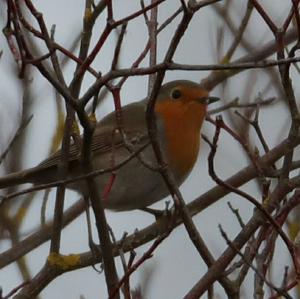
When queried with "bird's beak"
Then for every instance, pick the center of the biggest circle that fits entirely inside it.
(208, 100)
(211, 100)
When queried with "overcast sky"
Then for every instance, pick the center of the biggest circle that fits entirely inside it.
(176, 265)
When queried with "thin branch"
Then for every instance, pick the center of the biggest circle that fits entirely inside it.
(19, 131)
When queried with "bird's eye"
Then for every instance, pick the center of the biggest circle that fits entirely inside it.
(176, 94)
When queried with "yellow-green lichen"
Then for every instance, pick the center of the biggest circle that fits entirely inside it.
(63, 262)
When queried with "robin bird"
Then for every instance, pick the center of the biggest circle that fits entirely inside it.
(179, 112)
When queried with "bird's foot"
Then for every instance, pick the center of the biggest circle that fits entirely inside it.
(95, 249)
(158, 214)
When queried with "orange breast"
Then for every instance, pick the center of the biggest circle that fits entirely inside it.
(182, 122)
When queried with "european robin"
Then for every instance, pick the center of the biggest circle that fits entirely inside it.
(179, 110)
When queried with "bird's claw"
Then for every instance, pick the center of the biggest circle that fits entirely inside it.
(96, 253)
(158, 214)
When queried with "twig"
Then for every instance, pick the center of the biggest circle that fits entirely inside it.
(231, 244)
(19, 131)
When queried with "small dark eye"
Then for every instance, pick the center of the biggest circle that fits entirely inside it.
(176, 94)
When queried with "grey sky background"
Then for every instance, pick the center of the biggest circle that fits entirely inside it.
(176, 265)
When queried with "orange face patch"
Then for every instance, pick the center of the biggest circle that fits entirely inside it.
(183, 118)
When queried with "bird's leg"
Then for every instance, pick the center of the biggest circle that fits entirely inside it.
(158, 213)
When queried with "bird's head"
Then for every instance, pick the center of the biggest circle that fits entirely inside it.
(185, 101)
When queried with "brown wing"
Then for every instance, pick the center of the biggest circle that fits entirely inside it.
(100, 144)
(106, 137)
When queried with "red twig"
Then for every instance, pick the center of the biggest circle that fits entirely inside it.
(147, 255)
(275, 224)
